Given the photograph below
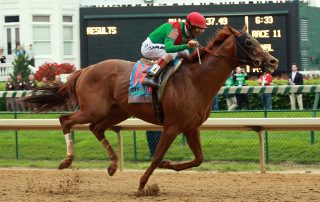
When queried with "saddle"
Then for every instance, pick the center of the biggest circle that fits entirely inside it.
(171, 68)
(147, 61)
(140, 93)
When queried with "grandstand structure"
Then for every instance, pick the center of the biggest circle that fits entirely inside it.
(117, 3)
(287, 29)
(58, 33)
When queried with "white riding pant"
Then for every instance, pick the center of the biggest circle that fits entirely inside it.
(155, 51)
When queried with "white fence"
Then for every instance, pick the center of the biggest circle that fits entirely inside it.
(5, 70)
(249, 124)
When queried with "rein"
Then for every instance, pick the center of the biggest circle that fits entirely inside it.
(256, 62)
(215, 54)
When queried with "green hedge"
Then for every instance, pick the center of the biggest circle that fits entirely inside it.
(315, 81)
(279, 101)
(2, 85)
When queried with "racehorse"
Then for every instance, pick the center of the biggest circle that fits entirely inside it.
(101, 91)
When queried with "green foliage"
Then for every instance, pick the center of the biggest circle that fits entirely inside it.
(20, 64)
(306, 81)
(2, 86)
(2, 104)
(279, 101)
(312, 81)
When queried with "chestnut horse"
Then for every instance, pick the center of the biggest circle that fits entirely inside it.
(101, 91)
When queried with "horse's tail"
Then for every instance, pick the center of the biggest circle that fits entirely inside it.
(46, 98)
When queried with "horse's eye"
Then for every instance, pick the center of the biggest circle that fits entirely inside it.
(249, 43)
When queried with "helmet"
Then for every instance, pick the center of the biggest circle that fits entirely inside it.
(196, 19)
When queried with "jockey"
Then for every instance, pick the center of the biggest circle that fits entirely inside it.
(168, 40)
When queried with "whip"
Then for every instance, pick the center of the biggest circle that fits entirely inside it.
(198, 54)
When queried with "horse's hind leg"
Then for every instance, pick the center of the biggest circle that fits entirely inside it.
(67, 121)
(193, 139)
(115, 116)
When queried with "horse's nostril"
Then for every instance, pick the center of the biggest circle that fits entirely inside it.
(272, 61)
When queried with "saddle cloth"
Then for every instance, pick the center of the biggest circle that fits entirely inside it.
(140, 93)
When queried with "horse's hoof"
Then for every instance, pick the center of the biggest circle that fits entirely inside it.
(152, 190)
(140, 193)
(65, 163)
(112, 170)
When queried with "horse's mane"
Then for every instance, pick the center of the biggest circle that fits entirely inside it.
(215, 41)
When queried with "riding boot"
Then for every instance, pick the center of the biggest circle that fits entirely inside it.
(154, 72)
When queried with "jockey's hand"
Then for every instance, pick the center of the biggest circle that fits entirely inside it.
(192, 43)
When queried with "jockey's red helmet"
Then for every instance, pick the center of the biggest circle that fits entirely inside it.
(196, 19)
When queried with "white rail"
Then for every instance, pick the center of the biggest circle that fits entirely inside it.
(282, 89)
(249, 124)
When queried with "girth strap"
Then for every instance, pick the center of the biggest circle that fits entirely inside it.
(157, 106)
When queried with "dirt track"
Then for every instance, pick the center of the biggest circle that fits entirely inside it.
(96, 185)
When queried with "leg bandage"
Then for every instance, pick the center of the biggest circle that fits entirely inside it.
(69, 142)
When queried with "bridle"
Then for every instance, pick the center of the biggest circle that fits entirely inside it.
(242, 51)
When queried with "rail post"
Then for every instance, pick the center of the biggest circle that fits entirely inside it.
(261, 153)
(16, 138)
(120, 150)
(134, 146)
(266, 139)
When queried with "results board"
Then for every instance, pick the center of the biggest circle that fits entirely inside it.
(121, 38)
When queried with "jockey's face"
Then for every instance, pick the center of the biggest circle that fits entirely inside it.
(197, 32)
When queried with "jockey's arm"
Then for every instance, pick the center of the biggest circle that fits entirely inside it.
(171, 48)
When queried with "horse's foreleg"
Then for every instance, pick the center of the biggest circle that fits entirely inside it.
(115, 116)
(166, 140)
(193, 139)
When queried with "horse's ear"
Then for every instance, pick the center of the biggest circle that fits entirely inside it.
(244, 29)
(233, 31)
